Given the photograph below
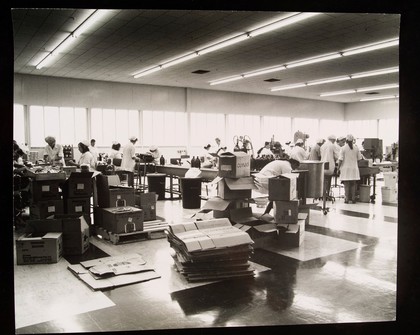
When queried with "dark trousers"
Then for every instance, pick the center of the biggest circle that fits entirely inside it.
(349, 190)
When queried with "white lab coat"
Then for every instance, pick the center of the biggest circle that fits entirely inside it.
(349, 169)
(273, 169)
(329, 153)
(299, 154)
(129, 153)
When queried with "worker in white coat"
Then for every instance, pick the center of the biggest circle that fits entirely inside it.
(298, 152)
(329, 154)
(129, 157)
(349, 169)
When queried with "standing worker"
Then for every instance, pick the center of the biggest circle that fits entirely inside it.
(348, 168)
(265, 150)
(315, 154)
(53, 152)
(129, 157)
(219, 147)
(298, 153)
(93, 150)
(329, 153)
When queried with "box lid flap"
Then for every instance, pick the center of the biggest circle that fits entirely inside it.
(233, 154)
(244, 183)
(216, 203)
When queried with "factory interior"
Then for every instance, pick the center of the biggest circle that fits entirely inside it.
(200, 171)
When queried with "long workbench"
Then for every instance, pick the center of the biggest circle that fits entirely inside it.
(176, 172)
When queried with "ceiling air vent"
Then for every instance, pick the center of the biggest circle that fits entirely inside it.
(272, 80)
(200, 71)
(370, 93)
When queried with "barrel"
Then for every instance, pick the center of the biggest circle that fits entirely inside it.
(364, 193)
(190, 192)
(315, 178)
(156, 183)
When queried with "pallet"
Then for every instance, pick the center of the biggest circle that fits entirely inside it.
(148, 233)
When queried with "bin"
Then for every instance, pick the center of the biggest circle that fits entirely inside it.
(190, 192)
(156, 183)
(390, 179)
(364, 193)
(315, 178)
(389, 194)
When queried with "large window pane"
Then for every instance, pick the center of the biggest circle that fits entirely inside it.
(133, 127)
(362, 128)
(52, 122)
(243, 125)
(36, 124)
(109, 127)
(307, 126)
(18, 124)
(67, 126)
(388, 131)
(332, 127)
(80, 130)
(204, 128)
(280, 127)
(121, 127)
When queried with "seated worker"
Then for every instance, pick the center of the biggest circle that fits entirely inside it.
(115, 151)
(53, 152)
(209, 159)
(273, 169)
(315, 154)
(85, 158)
(265, 150)
(219, 147)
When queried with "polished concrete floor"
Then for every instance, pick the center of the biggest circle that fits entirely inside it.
(344, 272)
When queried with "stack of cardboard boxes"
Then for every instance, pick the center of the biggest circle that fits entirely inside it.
(282, 190)
(56, 227)
(234, 185)
(116, 211)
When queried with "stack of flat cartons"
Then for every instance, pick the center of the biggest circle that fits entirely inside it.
(116, 212)
(211, 250)
(282, 190)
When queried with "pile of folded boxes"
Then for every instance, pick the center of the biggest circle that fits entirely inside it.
(210, 250)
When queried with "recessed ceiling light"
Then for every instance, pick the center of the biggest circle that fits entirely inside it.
(200, 71)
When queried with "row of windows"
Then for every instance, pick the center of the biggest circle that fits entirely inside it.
(164, 128)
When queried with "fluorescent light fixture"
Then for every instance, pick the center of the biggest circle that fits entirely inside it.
(371, 47)
(374, 73)
(85, 25)
(289, 87)
(337, 93)
(377, 88)
(264, 71)
(179, 60)
(281, 23)
(381, 98)
(313, 60)
(358, 90)
(223, 44)
(328, 80)
(149, 71)
(221, 81)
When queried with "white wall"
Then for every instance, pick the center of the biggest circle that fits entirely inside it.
(52, 91)
(372, 110)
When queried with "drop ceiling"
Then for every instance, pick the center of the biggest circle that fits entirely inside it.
(129, 40)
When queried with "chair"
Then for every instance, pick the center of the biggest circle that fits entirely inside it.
(116, 161)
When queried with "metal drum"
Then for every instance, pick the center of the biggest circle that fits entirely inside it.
(315, 178)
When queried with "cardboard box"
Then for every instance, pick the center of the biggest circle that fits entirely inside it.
(31, 172)
(78, 185)
(147, 202)
(221, 208)
(122, 219)
(44, 249)
(260, 234)
(111, 194)
(286, 211)
(75, 229)
(243, 216)
(45, 190)
(283, 187)
(234, 164)
(46, 208)
(77, 206)
(235, 188)
(293, 235)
